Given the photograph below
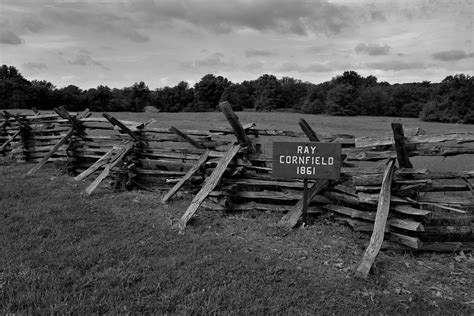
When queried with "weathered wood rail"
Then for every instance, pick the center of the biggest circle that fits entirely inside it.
(136, 155)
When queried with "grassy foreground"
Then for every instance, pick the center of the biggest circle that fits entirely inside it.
(61, 252)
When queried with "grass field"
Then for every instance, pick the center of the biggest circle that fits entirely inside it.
(324, 124)
(355, 125)
(115, 253)
(62, 252)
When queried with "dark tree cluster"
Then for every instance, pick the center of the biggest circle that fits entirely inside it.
(17, 92)
(348, 94)
(452, 101)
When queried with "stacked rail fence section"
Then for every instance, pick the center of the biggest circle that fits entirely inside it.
(231, 170)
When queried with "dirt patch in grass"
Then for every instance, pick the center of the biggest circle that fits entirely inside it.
(62, 252)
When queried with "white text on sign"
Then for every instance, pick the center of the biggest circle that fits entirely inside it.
(306, 160)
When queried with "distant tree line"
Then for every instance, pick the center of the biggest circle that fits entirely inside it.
(18, 93)
(348, 94)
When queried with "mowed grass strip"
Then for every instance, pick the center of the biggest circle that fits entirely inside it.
(62, 252)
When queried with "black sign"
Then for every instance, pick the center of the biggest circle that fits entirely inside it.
(307, 160)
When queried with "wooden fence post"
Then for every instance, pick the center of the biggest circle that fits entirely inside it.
(208, 186)
(380, 222)
(400, 148)
(186, 138)
(239, 131)
(96, 165)
(114, 161)
(122, 127)
(9, 140)
(63, 140)
(24, 130)
(308, 131)
(201, 161)
(116, 155)
(291, 218)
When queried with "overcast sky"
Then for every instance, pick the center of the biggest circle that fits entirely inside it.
(161, 42)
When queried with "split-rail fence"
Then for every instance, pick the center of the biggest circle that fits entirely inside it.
(231, 170)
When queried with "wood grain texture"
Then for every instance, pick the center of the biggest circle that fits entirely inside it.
(208, 186)
(373, 141)
(239, 131)
(380, 222)
(99, 163)
(290, 219)
(9, 140)
(309, 132)
(114, 161)
(201, 161)
(402, 153)
(186, 138)
(61, 142)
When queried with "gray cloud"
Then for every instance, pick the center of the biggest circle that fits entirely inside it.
(320, 49)
(254, 66)
(33, 66)
(377, 15)
(258, 53)
(372, 49)
(213, 61)
(294, 67)
(452, 55)
(10, 38)
(97, 17)
(254, 26)
(82, 58)
(414, 10)
(32, 24)
(130, 18)
(20, 23)
(290, 17)
(396, 65)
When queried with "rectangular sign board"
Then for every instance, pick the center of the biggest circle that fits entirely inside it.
(307, 160)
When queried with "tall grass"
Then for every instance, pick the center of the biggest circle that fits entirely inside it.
(62, 252)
